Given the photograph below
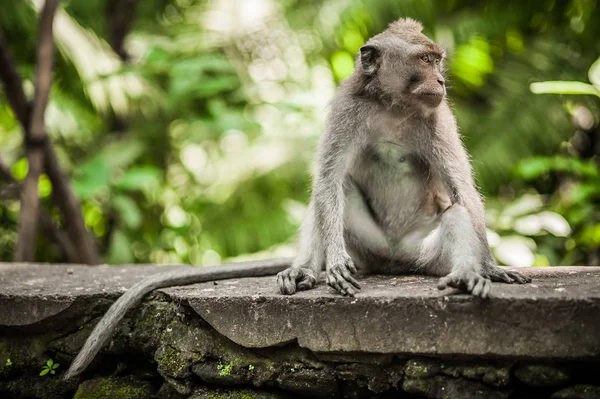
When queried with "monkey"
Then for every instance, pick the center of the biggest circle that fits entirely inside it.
(393, 190)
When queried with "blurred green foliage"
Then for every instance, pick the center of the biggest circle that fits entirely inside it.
(198, 148)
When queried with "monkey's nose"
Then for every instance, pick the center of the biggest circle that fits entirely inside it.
(441, 81)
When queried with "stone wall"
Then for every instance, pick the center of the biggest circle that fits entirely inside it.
(399, 337)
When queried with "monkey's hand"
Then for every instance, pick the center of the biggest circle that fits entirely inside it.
(468, 281)
(295, 279)
(496, 273)
(339, 276)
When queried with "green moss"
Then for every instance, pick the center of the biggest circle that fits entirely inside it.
(174, 363)
(578, 391)
(114, 387)
(418, 368)
(225, 370)
(542, 375)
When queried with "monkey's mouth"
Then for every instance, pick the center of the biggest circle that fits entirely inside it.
(432, 94)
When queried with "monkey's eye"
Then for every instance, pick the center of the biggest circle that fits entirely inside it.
(437, 61)
(425, 58)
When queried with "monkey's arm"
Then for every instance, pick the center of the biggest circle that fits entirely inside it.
(337, 149)
(134, 295)
(458, 175)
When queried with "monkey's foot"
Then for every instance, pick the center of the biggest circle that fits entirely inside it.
(339, 277)
(498, 274)
(468, 281)
(295, 279)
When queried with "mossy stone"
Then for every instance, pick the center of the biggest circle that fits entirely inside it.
(114, 387)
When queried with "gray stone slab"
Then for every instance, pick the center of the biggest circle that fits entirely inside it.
(30, 293)
(557, 316)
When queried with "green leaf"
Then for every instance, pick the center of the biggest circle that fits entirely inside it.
(20, 168)
(594, 73)
(56, 365)
(91, 177)
(121, 153)
(563, 87)
(139, 178)
(119, 251)
(50, 362)
(52, 372)
(532, 168)
(44, 371)
(537, 166)
(128, 210)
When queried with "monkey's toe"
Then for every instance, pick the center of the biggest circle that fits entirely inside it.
(469, 282)
(499, 274)
(518, 277)
(340, 279)
(295, 279)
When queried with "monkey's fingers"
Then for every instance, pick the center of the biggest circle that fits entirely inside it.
(450, 280)
(518, 277)
(499, 275)
(482, 288)
(348, 277)
(307, 280)
(286, 280)
(337, 281)
(351, 266)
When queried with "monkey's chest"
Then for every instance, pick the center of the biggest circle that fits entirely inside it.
(393, 181)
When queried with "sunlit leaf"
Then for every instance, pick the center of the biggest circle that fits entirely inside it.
(524, 205)
(122, 153)
(91, 177)
(473, 62)
(119, 251)
(515, 251)
(139, 178)
(20, 168)
(594, 74)
(535, 167)
(555, 224)
(128, 211)
(563, 87)
(342, 63)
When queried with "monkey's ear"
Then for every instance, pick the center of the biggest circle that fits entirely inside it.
(369, 55)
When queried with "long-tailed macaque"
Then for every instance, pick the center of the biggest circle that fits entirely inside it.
(393, 190)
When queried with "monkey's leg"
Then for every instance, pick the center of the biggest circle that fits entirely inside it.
(359, 220)
(308, 264)
(454, 249)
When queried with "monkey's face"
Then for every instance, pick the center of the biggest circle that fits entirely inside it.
(406, 72)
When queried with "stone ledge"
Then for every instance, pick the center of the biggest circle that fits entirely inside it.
(240, 339)
(557, 316)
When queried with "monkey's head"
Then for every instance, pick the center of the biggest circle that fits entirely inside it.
(403, 65)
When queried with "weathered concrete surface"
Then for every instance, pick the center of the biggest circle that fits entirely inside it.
(30, 293)
(557, 316)
(398, 338)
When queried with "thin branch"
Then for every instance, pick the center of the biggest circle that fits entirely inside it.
(30, 203)
(13, 85)
(63, 195)
(121, 15)
(54, 234)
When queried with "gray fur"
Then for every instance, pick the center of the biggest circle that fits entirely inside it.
(393, 190)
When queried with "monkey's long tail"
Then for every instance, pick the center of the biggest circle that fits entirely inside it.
(117, 311)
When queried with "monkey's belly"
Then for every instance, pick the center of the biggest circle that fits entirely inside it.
(390, 222)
